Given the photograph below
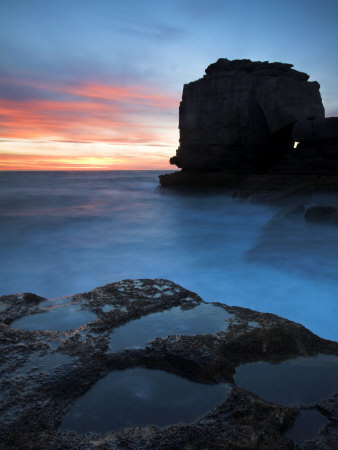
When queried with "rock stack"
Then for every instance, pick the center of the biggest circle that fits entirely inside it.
(243, 118)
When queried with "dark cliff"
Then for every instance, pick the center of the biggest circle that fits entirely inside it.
(243, 118)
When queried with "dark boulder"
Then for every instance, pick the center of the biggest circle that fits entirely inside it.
(239, 125)
(316, 130)
(240, 115)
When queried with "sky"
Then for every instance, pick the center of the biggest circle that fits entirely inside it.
(97, 84)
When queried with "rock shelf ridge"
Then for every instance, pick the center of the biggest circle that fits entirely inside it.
(44, 373)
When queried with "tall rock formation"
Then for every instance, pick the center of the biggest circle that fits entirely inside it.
(316, 130)
(239, 117)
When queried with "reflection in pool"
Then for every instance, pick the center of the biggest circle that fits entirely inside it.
(302, 379)
(307, 425)
(56, 318)
(141, 397)
(203, 319)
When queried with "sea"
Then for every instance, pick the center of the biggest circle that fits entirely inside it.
(63, 233)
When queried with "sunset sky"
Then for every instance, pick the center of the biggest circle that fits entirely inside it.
(97, 84)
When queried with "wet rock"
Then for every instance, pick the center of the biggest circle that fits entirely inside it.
(322, 214)
(18, 305)
(43, 373)
(330, 406)
(189, 177)
(285, 197)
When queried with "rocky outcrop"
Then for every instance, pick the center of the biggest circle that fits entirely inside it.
(316, 130)
(241, 113)
(239, 125)
(43, 373)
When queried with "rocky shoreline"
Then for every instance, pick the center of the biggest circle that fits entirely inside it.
(44, 373)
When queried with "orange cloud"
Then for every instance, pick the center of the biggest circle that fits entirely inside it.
(138, 94)
(88, 113)
(129, 95)
(69, 120)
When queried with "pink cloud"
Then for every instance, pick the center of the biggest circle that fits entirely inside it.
(92, 112)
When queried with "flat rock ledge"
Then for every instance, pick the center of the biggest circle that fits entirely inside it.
(33, 401)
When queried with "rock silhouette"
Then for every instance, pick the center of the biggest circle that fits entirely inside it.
(243, 118)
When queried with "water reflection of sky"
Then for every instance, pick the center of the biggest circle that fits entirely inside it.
(63, 233)
(202, 319)
(55, 318)
(141, 397)
(306, 426)
(298, 380)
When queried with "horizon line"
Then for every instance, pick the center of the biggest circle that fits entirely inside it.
(84, 170)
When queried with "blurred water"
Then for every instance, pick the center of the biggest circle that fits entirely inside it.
(67, 232)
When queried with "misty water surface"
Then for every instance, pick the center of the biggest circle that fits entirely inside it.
(69, 232)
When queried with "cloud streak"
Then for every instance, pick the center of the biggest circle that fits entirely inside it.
(142, 94)
(87, 111)
(70, 121)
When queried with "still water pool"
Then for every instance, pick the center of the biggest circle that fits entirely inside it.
(141, 397)
(303, 379)
(202, 319)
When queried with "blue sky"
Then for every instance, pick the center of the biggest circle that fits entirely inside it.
(151, 48)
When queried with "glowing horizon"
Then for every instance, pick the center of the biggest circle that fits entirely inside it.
(31, 162)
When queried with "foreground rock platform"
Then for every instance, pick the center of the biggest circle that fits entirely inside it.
(44, 373)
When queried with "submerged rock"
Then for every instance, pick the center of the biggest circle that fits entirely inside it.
(322, 214)
(50, 380)
(289, 242)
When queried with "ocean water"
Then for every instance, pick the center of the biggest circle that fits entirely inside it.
(63, 233)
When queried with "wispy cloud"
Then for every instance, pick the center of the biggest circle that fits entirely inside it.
(128, 94)
(87, 111)
(143, 95)
(69, 120)
(151, 31)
